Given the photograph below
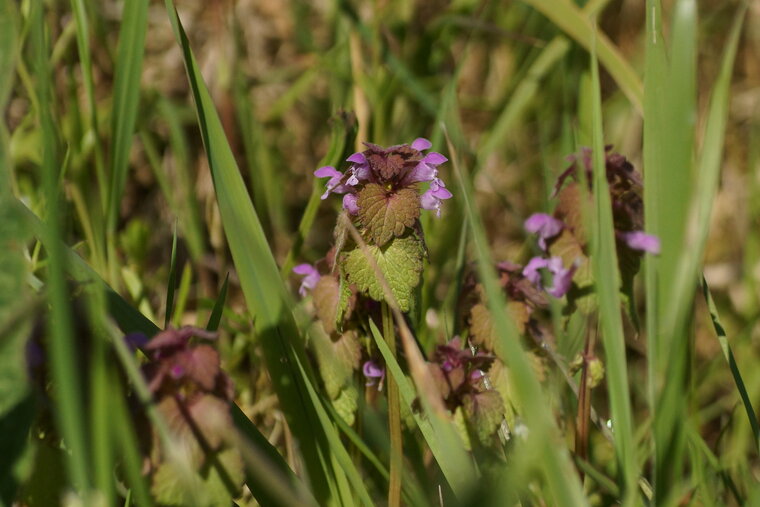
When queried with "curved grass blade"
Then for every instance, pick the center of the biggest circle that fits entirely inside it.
(216, 312)
(172, 283)
(729, 355)
(124, 112)
(440, 435)
(605, 267)
(126, 97)
(130, 320)
(554, 460)
(578, 27)
(325, 457)
(65, 375)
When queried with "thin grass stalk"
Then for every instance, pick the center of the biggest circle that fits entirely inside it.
(66, 376)
(394, 416)
(554, 460)
(655, 81)
(124, 115)
(584, 401)
(607, 285)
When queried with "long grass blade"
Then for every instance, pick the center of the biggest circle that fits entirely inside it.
(578, 27)
(441, 437)
(720, 332)
(124, 112)
(607, 281)
(66, 376)
(554, 459)
(325, 457)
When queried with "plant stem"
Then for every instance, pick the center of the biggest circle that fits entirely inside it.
(584, 403)
(394, 416)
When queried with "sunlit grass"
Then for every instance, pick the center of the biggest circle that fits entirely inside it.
(157, 171)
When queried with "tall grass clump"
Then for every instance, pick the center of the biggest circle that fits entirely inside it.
(401, 252)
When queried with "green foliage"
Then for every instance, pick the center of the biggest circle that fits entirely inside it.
(387, 214)
(484, 412)
(224, 155)
(399, 261)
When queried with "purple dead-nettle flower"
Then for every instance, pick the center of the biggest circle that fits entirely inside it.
(394, 168)
(375, 374)
(310, 279)
(562, 277)
(639, 240)
(545, 226)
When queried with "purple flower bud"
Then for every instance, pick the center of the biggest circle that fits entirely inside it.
(374, 373)
(333, 183)
(310, 280)
(639, 240)
(349, 204)
(434, 158)
(421, 144)
(357, 158)
(396, 168)
(177, 371)
(546, 226)
(431, 199)
(561, 278)
(530, 271)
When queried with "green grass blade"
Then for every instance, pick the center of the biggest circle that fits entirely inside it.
(268, 301)
(269, 478)
(216, 312)
(8, 52)
(607, 280)
(668, 156)
(655, 82)
(65, 375)
(729, 355)
(126, 97)
(171, 284)
(578, 27)
(85, 58)
(124, 434)
(687, 274)
(554, 459)
(16, 305)
(440, 435)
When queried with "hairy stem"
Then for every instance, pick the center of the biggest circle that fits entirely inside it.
(394, 416)
(584, 402)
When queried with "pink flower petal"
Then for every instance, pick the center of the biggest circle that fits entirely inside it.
(434, 158)
(349, 203)
(357, 158)
(639, 240)
(421, 144)
(328, 170)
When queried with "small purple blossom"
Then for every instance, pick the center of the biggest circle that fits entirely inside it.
(374, 372)
(545, 226)
(639, 240)
(431, 199)
(396, 167)
(310, 280)
(350, 205)
(333, 184)
(561, 277)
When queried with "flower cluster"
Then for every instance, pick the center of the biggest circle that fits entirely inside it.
(393, 169)
(460, 375)
(192, 393)
(562, 236)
